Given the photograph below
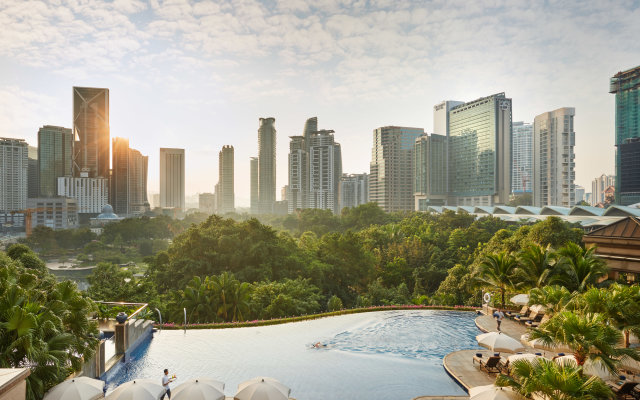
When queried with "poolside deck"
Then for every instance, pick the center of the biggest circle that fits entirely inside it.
(463, 370)
(487, 323)
(441, 398)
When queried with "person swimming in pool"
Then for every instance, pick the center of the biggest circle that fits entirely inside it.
(318, 345)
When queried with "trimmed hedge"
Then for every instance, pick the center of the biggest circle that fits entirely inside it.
(276, 321)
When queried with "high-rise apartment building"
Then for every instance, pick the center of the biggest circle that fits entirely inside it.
(298, 174)
(266, 165)
(207, 203)
(253, 167)
(14, 167)
(90, 194)
(629, 178)
(138, 173)
(325, 170)
(33, 173)
(480, 152)
(554, 158)
(599, 186)
(354, 190)
(91, 131)
(119, 192)
(225, 192)
(55, 157)
(522, 153)
(580, 192)
(391, 168)
(430, 171)
(626, 86)
(172, 178)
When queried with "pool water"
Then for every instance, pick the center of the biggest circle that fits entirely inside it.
(376, 355)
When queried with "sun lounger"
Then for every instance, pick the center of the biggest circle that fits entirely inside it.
(491, 364)
(522, 312)
(534, 324)
(625, 389)
(534, 316)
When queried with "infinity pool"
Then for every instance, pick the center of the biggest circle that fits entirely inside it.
(375, 356)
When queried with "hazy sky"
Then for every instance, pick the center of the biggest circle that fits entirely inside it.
(199, 74)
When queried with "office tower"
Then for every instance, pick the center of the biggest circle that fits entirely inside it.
(55, 157)
(310, 126)
(480, 152)
(522, 151)
(354, 190)
(14, 167)
(430, 171)
(441, 116)
(128, 194)
(325, 170)
(207, 203)
(91, 194)
(33, 173)
(599, 186)
(91, 131)
(298, 173)
(172, 178)
(266, 165)
(391, 167)
(553, 160)
(626, 86)
(579, 194)
(253, 166)
(53, 212)
(225, 190)
(119, 192)
(629, 178)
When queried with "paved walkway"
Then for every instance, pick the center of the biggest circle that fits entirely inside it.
(461, 367)
(441, 398)
(487, 323)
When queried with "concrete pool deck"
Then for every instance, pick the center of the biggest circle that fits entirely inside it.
(460, 366)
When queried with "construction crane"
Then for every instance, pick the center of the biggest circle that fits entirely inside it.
(27, 217)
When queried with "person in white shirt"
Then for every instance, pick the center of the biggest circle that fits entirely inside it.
(166, 380)
(499, 315)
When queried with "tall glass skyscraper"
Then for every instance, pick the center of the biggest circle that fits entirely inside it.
(430, 171)
(522, 152)
(480, 152)
(55, 152)
(91, 131)
(626, 86)
(266, 165)
(391, 167)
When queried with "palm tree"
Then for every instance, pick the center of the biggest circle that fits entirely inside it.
(588, 336)
(196, 299)
(620, 304)
(553, 381)
(239, 306)
(497, 271)
(579, 268)
(535, 266)
(223, 287)
(555, 298)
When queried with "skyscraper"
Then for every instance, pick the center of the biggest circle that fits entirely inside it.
(325, 170)
(138, 172)
(629, 178)
(522, 150)
(298, 174)
(55, 157)
(119, 192)
(554, 158)
(430, 171)
(226, 197)
(91, 194)
(14, 165)
(480, 152)
(33, 173)
(391, 167)
(626, 86)
(599, 186)
(354, 190)
(172, 178)
(441, 116)
(253, 166)
(91, 131)
(266, 165)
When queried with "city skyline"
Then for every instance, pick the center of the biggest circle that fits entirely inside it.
(176, 69)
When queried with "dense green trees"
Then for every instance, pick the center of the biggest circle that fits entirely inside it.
(43, 324)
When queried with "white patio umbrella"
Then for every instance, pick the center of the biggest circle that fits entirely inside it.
(139, 389)
(199, 389)
(492, 392)
(630, 364)
(520, 299)
(272, 381)
(538, 344)
(497, 341)
(589, 368)
(538, 308)
(262, 390)
(81, 388)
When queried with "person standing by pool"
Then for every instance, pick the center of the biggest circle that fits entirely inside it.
(499, 315)
(166, 380)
